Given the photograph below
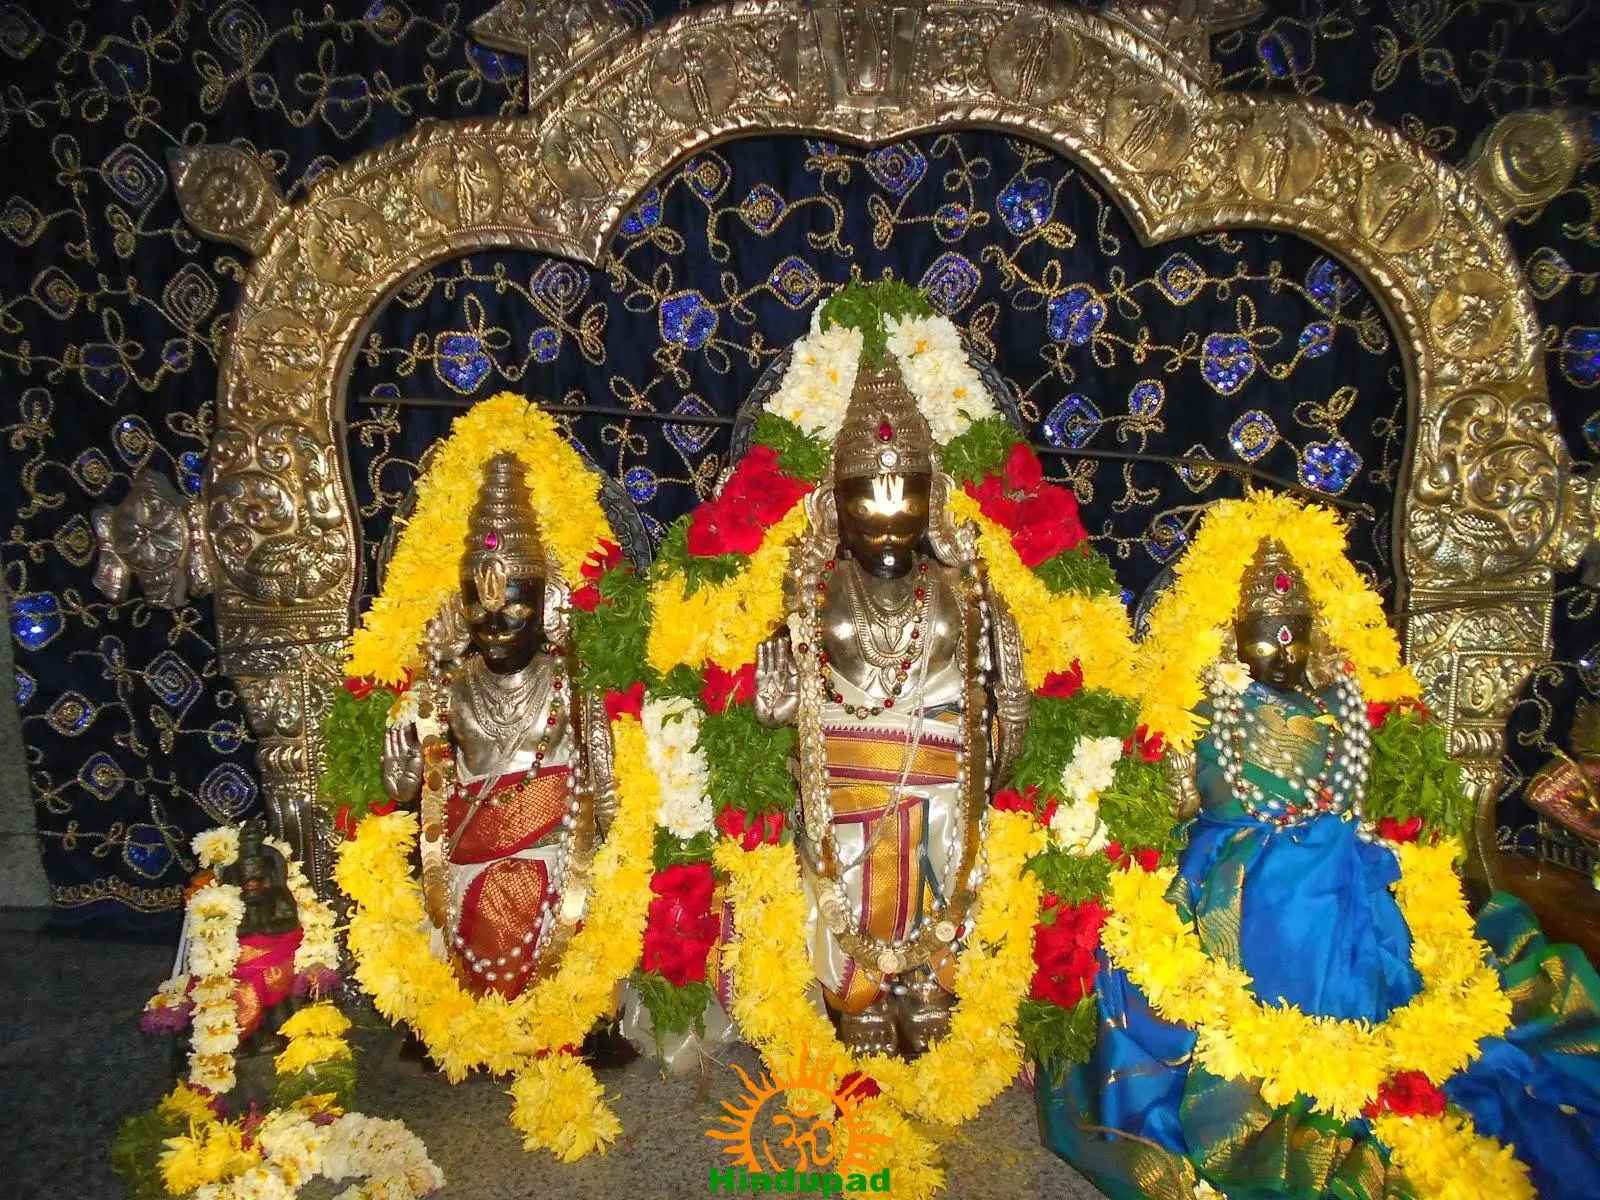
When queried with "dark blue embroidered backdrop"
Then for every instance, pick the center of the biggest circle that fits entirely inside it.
(1237, 346)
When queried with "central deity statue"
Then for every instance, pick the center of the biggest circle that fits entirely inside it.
(902, 673)
(511, 791)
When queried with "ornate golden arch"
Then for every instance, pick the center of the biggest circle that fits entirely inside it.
(1488, 507)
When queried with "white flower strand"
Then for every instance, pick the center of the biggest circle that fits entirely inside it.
(671, 729)
(295, 1150)
(934, 364)
(815, 390)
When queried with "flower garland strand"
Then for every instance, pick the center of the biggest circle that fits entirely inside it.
(1188, 623)
(964, 1070)
(1339, 1065)
(463, 1032)
(570, 521)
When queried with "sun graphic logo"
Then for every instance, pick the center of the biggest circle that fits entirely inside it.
(799, 1131)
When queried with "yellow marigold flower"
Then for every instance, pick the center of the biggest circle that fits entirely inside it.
(184, 1103)
(320, 1019)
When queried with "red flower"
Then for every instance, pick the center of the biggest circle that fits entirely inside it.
(772, 827)
(1063, 685)
(1049, 524)
(361, 687)
(383, 807)
(993, 502)
(1378, 711)
(680, 929)
(1150, 748)
(1400, 831)
(607, 556)
(1064, 953)
(724, 687)
(628, 703)
(344, 822)
(1023, 471)
(1011, 800)
(862, 1087)
(719, 527)
(587, 598)
(1407, 1094)
(731, 821)
(760, 486)
(1148, 859)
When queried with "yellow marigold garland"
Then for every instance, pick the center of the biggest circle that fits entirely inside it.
(967, 1068)
(1187, 623)
(565, 494)
(724, 622)
(1445, 1158)
(464, 1032)
(1056, 627)
(1338, 1064)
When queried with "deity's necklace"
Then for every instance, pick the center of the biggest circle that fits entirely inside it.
(506, 706)
(1340, 782)
(899, 658)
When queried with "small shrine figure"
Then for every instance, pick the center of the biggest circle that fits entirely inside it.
(501, 758)
(269, 934)
(902, 672)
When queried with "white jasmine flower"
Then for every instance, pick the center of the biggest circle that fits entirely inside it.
(217, 847)
(1232, 674)
(1092, 768)
(1077, 828)
(671, 728)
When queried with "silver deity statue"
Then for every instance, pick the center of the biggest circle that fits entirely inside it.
(902, 672)
(514, 788)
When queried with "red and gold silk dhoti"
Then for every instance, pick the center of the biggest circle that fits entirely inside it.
(264, 975)
(501, 874)
(886, 850)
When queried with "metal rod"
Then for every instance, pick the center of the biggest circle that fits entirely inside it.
(717, 420)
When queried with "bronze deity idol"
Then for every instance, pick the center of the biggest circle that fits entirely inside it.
(902, 672)
(515, 787)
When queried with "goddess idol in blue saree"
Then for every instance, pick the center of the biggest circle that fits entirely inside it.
(1283, 877)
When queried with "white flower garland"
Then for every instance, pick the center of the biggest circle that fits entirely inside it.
(671, 729)
(212, 950)
(815, 390)
(295, 1149)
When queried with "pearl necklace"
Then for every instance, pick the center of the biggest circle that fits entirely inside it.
(1338, 786)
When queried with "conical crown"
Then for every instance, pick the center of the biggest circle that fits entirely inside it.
(884, 432)
(503, 524)
(1273, 585)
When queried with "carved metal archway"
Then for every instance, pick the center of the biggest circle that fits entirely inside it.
(1489, 506)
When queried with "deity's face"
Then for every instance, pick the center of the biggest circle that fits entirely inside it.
(1275, 648)
(507, 629)
(883, 519)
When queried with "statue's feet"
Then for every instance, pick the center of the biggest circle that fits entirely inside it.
(870, 1031)
(922, 1013)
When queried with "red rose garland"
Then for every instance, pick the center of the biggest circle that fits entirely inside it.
(680, 928)
(1041, 517)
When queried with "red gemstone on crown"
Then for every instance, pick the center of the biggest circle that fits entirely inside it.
(885, 431)
(1281, 583)
(491, 540)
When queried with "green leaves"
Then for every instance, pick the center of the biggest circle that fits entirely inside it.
(1081, 569)
(747, 762)
(136, 1153)
(865, 306)
(672, 1009)
(982, 449)
(336, 1075)
(1413, 774)
(799, 455)
(352, 762)
(671, 850)
(1057, 1037)
(611, 640)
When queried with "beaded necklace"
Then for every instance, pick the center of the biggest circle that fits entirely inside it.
(1339, 784)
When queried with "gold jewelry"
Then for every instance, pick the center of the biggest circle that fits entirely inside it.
(1272, 584)
(884, 433)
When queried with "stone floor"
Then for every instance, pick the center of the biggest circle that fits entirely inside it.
(73, 1064)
